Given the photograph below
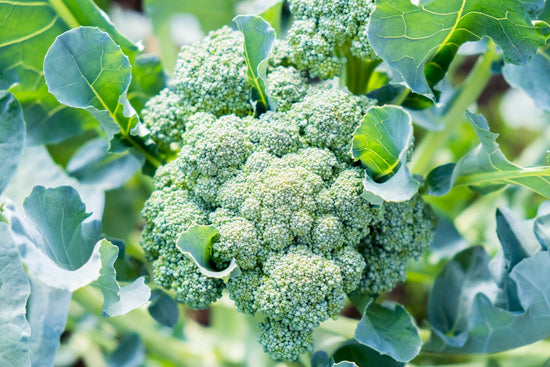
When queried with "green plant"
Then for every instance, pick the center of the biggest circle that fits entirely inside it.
(291, 161)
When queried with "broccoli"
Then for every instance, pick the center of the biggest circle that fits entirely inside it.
(329, 38)
(210, 77)
(284, 194)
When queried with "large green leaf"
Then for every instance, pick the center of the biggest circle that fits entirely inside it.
(85, 68)
(363, 355)
(421, 41)
(163, 308)
(472, 310)
(197, 243)
(12, 137)
(486, 169)
(36, 167)
(533, 78)
(93, 164)
(390, 332)
(118, 300)
(14, 292)
(56, 217)
(258, 43)
(381, 143)
(212, 14)
(27, 30)
(47, 312)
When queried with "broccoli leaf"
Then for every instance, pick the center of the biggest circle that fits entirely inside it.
(59, 249)
(354, 351)
(118, 300)
(486, 169)
(94, 165)
(390, 332)
(542, 226)
(85, 68)
(421, 41)
(533, 78)
(28, 29)
(14, 292)
(47, 311)
(197, 242)
(381, 143)
(163, 308)
(12, 137)
(258, 43)
(129, 353)
(472, 310)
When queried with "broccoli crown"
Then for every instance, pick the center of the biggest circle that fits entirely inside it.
(290, 208)
(327, 32)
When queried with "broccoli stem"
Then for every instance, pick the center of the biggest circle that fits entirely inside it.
(356, 71)
(473, 86)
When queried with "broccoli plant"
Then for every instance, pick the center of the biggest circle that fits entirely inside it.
(309, 183)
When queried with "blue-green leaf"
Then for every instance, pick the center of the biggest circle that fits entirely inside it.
(118, 300)
(363, 355)
(381, 143)
(93, 164)
(518, 241)
(163, 308)
(37, 167)
(197, 243)
(420, 41)
(85, 68)
(14, 292)
(54, 220)
(47, 311)
(390, 332)
(27, 31)
(486, 169)
(482, 307)
(12, 137)
(129, 353)
(542, 225)
(259, 37)
(533, 78)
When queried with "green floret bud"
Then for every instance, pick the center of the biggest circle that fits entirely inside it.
(352, 265)
(407, 227)
(328, 117)
(175, 270)
(211, 75)
(327, 234)
(242, 289)
(239, 239)
(286, 86)
(283, 343)
(383, 270)
(164, 116)
(168, 213)
(301, 290)
(327, 34)
(275, 133)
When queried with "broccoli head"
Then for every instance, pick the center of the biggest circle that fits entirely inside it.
(288, 203)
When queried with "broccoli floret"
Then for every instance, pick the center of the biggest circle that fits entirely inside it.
(282, 342)
(175, 270)
(210, 77)
(330, 34)
(284, 195)
(286, 86)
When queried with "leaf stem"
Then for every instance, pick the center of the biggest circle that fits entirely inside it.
(61, 9)
(423, 158)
